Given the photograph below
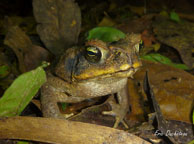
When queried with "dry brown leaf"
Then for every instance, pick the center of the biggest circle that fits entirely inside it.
(35, 56)
(19, 42)
(62, 131)
(173, 89)
(94, 115)
(137, 113)
(29, 56)
(137, 25)
(59, 23)
(168, 126)
(177, 35)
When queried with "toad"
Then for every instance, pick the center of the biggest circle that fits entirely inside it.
(94, 70)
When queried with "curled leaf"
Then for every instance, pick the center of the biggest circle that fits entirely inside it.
(29, 56)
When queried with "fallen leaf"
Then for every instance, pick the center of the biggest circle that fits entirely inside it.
(93, 114)
(21, 92)
(19, 42)
(172, 87)
(59, 23)
(168, 128)
(136, 115)
(36, 103)
(156, 57)
(137, 25)
(177, 35)
(35, 56)
(106, 34)
(29, 56)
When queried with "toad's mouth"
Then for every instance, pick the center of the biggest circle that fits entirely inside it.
(124, 73)
(128, 72)
(125, 70)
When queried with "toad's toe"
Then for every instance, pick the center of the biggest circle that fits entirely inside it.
(118, 112)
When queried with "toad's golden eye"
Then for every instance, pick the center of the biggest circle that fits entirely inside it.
(139, 46)
(93, 54)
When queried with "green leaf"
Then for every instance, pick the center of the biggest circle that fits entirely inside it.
(174, 16)
(64, 106)
(106, 34)
(155, 57)
(21, 92)
(180, 66)
(193, 116)
(22, 142)
(4, 71)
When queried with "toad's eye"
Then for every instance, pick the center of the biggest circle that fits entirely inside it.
(93, 54)
(139, 46)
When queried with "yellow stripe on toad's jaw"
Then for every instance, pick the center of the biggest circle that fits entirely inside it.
(137, 64)
(125, 67)
(94, 73)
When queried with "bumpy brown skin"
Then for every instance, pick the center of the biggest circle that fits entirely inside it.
(76, 78)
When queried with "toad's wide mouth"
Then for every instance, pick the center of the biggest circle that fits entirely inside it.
(125, 70)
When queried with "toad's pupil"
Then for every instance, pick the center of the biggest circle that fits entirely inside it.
(90, 53)
(92, 50)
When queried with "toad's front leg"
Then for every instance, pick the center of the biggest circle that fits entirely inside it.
(119, 110)
(52, 92)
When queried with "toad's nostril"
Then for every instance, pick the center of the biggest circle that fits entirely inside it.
(117, 55)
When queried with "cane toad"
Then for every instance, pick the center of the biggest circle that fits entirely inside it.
(94, 70)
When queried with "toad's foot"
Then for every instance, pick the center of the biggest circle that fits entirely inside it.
(118, 112)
